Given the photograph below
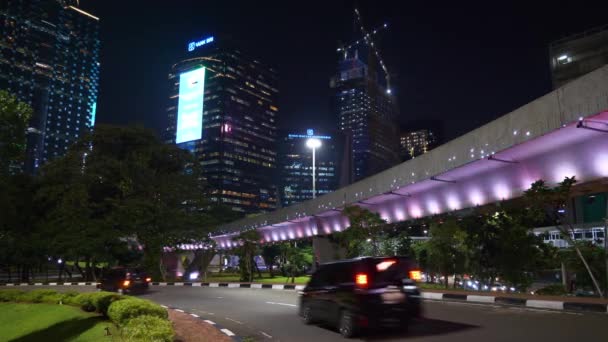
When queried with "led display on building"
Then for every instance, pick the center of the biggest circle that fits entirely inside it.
(190, 106)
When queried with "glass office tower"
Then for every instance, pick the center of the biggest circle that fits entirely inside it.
(49, 58)
(223, 108)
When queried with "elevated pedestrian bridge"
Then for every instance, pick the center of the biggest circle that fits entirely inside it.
(564, 133)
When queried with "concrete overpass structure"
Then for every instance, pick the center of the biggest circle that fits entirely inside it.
(564, 133)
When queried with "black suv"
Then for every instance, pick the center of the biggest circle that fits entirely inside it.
(124, 280)
(361, 293)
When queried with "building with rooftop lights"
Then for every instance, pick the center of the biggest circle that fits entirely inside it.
(223, 108)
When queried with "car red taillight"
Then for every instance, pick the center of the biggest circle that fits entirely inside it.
(416, 275)
(361, 279)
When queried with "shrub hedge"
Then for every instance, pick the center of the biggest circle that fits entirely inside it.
(120, 312)
(148, 328)
(139, 319)
(10, 295)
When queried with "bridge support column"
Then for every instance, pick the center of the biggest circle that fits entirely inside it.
(325, 250)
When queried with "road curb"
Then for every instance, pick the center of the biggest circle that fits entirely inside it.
(515, 301)
(216, 326)
(82, 283)
(231, 285)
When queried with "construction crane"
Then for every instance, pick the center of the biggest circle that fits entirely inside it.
(367, 39)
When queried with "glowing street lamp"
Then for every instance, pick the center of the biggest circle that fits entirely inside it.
(313, 143)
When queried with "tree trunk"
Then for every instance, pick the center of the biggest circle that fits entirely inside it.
(221, 263)
(25, 274)
(270, 270)
(445, 276)
(77, 266)
(255, 265)
(566, 234)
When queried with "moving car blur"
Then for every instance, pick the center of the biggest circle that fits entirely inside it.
(124, 280)
(363, 293)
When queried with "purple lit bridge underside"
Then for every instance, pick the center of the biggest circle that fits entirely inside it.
(578, 149)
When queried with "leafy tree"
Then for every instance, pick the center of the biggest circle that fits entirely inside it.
(270, 253)
(21, 242)
(14, 117)
(595, 257)
(296, 258)
(545, 204)
(248, 240)
(421, 254)
(123, 182)
(447, 251)
(366, 227)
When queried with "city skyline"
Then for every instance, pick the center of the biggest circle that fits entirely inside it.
(480, 68)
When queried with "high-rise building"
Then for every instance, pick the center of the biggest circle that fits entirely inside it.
(367, 111)
(49, 58)
(577, 55)
(295, 166)
(415, 143)
(223, 108)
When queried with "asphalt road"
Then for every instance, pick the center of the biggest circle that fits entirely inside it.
(271, 315)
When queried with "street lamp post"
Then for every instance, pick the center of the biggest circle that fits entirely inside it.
(313, 143)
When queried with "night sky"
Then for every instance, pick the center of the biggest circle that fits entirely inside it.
(462, 64)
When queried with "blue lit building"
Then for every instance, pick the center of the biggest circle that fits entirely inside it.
(295, 165)
(49, 58)
(223, 108)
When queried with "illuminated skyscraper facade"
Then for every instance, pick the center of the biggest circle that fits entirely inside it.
(223, 108)
(49, 58)
(415, 143)
(295, 166)
(367, 111)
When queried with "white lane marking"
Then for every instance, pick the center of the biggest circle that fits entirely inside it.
(227, 332)
(220, 297)
(210, 322)
(195, 315)
(233, 320)
(265, 334)
(285, 304)
(164, 306)
(178, 310)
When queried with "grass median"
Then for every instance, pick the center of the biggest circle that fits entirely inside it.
(24, 322)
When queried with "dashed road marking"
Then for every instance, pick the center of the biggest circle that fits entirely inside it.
(265, 334)
(164, 306)
(284, 304)
(195, 315)
(179, 310)
(227, 332)
(210, 322)
(234, 320)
